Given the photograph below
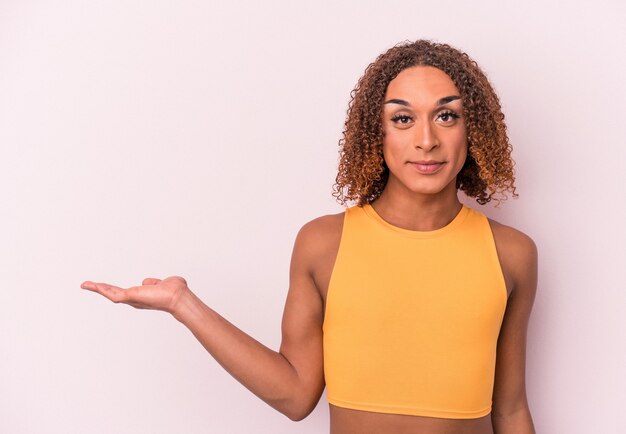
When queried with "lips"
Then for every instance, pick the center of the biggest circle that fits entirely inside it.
(427, 162)
(427, 166)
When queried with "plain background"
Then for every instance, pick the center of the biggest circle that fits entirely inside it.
(151, 138)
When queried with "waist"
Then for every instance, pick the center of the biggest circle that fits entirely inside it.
(348, 421)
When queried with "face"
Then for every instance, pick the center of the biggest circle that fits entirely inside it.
(425, 139)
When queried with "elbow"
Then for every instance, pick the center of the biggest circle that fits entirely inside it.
(298, 412)
(299, 401)
(298, 409)
(298, 415)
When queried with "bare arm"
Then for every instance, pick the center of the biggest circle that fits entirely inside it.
(518, 256)
(291, 379)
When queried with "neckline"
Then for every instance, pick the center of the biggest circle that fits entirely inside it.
(456, 221)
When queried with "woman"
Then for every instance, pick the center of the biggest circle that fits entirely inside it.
(402, 304)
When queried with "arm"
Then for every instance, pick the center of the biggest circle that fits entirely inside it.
(290, 380)
(518, 256)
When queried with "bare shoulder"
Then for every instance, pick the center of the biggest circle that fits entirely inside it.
(322, 225)
(517, 253)
(319, 238)
(512, 239)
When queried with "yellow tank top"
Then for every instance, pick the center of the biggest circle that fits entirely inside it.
(412, 318)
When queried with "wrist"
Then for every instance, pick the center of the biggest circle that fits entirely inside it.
(186, 306)
(180, 303)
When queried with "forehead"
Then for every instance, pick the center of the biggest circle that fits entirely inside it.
(421, 84)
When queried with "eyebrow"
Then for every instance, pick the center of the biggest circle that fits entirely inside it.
(442, 101)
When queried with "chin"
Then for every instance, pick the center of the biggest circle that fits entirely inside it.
(427, 191)
(432, 188)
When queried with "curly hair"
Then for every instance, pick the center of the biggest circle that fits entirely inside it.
(488, 170)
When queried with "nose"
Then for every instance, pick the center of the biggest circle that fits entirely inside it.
(425, 137)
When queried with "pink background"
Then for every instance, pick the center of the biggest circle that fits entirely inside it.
(142, 138)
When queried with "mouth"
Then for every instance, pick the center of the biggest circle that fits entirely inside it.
(427, 166)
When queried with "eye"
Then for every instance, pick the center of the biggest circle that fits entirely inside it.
(401, 119)
(448, 117)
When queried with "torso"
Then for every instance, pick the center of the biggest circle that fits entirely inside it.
(348, 421)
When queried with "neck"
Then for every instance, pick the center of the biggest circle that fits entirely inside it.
(418, 212)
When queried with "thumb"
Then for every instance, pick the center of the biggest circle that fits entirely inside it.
(150, 281)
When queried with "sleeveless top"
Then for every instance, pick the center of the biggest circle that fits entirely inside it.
(412, 318)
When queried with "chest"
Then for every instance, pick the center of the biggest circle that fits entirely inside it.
(325, 265)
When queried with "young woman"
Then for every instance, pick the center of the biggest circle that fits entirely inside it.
(410, 307)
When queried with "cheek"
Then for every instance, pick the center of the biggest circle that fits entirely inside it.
(394, 142)
(460, 143)
(462, 152)
(391, 151)
(462, 156)
(464, 149)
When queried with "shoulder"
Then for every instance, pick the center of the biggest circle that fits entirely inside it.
(323, 225)
(517, 253)
(513, 240)
(319, 237)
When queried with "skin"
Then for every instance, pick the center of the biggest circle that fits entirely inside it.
(291, 380)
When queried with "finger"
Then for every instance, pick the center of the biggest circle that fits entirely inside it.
(178, 278)
(88, 285)
(150, 281)
(113, 293)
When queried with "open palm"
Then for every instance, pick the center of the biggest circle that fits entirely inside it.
(153, 293)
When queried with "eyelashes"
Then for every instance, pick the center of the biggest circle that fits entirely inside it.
(401, 119)
(446, 116)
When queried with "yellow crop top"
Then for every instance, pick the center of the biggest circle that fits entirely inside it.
(412, 318)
